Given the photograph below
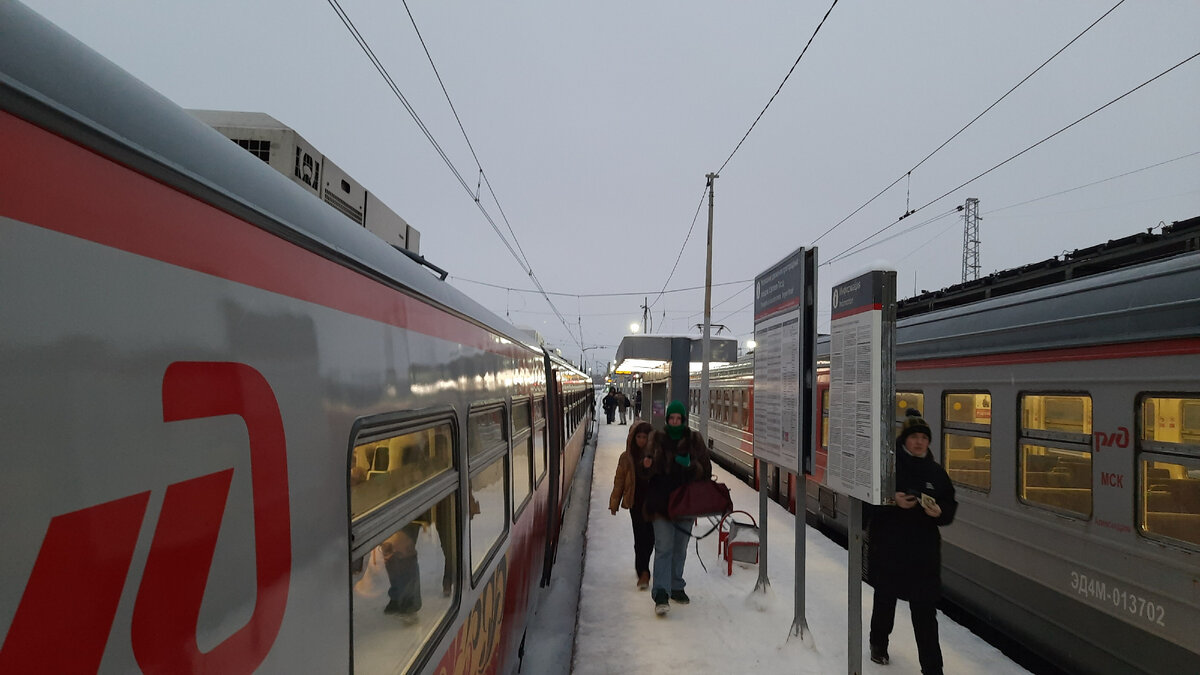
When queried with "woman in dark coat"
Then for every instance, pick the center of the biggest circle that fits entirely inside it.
(679, 456)
(905, 551)
(629, 490)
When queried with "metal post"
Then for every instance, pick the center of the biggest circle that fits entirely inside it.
(854, 586)
(706, 348)
(763, 580)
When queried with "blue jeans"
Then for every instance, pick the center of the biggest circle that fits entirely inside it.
(670, 552)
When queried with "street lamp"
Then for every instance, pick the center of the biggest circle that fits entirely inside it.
(750, 345)
(634, 327)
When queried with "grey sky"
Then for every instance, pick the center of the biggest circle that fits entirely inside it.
(596, 124)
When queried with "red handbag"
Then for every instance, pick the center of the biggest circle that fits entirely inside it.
(698, 499)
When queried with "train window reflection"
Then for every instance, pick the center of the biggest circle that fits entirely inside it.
(382, 470)
(1057, 478)
(403, 589)
(488, 521)
(486, 430)
(1170, 499)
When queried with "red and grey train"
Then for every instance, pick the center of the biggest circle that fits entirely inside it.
(240, 433)
(1065, 402)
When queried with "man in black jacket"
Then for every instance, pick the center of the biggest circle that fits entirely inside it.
(905, 553)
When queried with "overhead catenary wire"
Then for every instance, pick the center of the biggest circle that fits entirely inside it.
(692, 227)
(975, 119)
(1027, 149)
(779, 88)
(383, 72)
(597, 295)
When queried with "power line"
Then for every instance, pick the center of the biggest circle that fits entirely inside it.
(597, 295)
(704, 194)
(860, 247)
(964, 128)
(780, 88)
(1093, 183)
(521, 261)
(1022, 152)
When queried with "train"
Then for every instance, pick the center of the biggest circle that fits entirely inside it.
(1064, 400)
(241, 433)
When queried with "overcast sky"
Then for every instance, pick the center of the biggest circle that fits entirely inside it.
(597, 122)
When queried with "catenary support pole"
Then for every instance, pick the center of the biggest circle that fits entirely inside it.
(706, 347)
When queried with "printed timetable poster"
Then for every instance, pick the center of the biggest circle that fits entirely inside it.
(779, 330)
(861, 386)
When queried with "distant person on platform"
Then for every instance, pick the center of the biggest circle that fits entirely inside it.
(610, 404)
(905, 550)
(622, 405)
(629, 490)
(679, 456)
(637, 404)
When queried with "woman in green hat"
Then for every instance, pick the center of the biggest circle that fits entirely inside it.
(680, 456)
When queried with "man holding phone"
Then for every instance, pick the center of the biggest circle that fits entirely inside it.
(905, 547)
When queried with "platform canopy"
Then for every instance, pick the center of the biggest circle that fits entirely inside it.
(645, 353)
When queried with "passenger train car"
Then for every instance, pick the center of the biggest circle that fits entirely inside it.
(1065, 402)
(242, 434)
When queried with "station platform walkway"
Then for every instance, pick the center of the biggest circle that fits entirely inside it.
(728, 627)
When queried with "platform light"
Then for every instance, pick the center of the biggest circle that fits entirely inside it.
(750, 345)
(634, 327)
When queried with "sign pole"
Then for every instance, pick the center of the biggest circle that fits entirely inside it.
(854, 586)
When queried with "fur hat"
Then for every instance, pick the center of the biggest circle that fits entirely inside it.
(914, 423)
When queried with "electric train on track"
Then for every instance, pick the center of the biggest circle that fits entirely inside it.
(241, 433)
(1064, 398)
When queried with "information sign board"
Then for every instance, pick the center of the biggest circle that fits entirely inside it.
(784, 331)
(862, 386)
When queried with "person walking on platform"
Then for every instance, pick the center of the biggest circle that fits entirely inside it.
(622, 405)
(610, 403)
(679, 455)
(629, 491)
(905, 547)
(637, 404)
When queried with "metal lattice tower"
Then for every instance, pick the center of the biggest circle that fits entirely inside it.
(970, 260)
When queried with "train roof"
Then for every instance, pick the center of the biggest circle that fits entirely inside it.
(50, 78)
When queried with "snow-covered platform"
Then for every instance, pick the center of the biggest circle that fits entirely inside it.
(728, 628)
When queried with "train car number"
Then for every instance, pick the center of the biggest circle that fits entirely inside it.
(1136, 605)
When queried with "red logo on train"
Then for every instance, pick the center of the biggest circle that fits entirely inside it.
(86, 554)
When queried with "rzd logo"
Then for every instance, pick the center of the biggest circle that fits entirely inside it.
(78, 578)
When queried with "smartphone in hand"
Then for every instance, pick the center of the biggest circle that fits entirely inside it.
(927, 501)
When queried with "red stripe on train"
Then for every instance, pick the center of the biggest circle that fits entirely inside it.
(99, 200)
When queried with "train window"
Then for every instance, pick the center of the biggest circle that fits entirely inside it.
(1171, 424)
(1066, 417)
(486, 431)
(539, 452)
(381, 470)
(1056, 452)
(403, 590)
(966, 439)
(522, 460)
(825, 418)
(488, 511)
(520, 416)
(404, 535)
(1170, 498)
(1169, 479)
(905, 401)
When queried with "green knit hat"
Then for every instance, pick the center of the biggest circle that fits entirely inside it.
(677, 407)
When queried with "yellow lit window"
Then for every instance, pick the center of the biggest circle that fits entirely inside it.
(1170, 504)
(384, 469)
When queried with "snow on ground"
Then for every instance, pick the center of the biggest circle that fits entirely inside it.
(727, 627)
